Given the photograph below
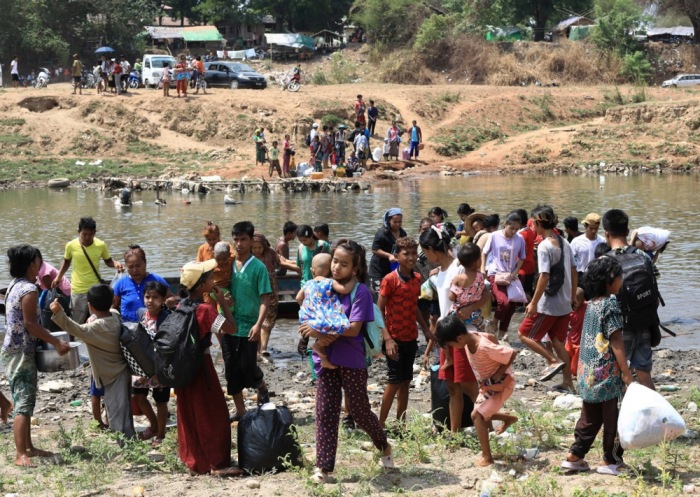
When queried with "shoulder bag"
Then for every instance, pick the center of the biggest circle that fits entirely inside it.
(94, 269)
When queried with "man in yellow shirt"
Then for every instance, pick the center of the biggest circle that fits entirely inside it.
(86, 252)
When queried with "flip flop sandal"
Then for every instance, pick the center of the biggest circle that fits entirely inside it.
(552, 371)
(319, 477)
(561, 389)
(147, 434)
(610, 469)
(579, 466)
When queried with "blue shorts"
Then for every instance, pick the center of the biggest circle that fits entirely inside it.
(94, 391)
(638, 348)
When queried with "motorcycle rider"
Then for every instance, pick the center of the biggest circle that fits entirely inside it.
(293, 75)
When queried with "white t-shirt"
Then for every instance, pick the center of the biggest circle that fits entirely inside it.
(584, 250)
(443, 283)
(547, 256)
(13, 67)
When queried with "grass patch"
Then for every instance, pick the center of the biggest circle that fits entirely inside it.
(462, 139)
(12, 121)
(319, 78)
(449, 97)
(544, 104)
(15, 139)
(332, 120)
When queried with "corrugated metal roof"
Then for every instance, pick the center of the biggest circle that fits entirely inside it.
(567, 23)
(293, 40)
(685, 31)
(187, 33)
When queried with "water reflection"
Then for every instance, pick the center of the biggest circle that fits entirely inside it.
(171, 234)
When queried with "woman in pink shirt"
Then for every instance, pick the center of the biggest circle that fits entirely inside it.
(47, 273)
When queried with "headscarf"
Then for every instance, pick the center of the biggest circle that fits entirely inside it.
(394, 211)
(269, 257)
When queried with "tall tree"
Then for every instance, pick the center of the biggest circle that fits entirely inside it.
(691, 8)
(541, 11)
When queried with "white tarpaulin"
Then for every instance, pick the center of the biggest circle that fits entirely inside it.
(236, 54)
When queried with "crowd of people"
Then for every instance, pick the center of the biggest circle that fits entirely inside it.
(327, 145)
(446, 281)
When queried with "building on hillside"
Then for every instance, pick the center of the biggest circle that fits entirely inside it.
(197, 40)
(580, 26)
(246, 34)
(676, 34)
(504, 33)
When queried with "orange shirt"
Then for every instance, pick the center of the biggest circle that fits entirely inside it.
(401, 304)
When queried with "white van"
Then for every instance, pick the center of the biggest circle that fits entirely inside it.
(682, 80)
(152, 69)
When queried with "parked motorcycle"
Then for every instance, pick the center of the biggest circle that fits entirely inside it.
(134, 79)
(42, 79)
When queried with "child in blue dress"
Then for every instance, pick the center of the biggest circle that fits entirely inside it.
(319, 304)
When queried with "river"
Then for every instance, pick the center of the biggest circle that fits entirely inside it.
(171, 234)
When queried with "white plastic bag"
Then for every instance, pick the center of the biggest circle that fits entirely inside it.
(647, 419)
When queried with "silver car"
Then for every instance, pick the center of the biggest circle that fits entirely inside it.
(681, 81)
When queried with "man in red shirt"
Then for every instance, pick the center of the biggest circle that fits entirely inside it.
(360, 108)
(398, 301)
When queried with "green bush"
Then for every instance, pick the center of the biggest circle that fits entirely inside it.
(433, 30)
(319, 78)
(615, 21)
(637, 67)
(332, 120)
(342, 70)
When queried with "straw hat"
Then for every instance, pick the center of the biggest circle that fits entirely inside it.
(192, 271)
(474, 216)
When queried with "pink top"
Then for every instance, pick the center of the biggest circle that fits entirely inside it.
(47, 269)
(488, 358)
(468, 295)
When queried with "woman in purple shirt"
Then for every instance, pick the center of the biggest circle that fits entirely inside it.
(347, 353)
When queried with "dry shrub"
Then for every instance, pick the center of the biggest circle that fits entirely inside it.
(478, 61)
(404, 67)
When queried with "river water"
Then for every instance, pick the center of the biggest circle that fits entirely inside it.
(171, 234)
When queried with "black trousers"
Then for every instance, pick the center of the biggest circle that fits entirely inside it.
(593, 416)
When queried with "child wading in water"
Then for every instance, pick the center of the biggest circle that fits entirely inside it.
(320, 307)
(468, 287)
(491, 363)
(602, 369)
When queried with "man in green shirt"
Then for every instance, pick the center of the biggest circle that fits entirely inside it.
(250, 289)
(77, 73)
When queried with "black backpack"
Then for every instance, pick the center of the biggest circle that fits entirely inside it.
(557, 273)
(639, 296)
(178, 353)
(308, 140)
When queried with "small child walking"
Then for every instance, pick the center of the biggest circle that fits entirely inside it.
(165, 80)
(398, 302)
(109, 367)
(274, 154)
(602, 369)
(492, 367)
(151, 317)
(320, 307)
(467, 288)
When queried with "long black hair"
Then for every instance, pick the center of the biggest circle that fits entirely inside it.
(438, 239)
(599, 274)
(359, 257)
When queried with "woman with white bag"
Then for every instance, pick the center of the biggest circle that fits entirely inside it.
(602, 370)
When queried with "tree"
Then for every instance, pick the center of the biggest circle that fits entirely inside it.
(616, 21)
(540, 11)
(691, 8)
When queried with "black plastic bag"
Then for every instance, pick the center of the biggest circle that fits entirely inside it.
(48, 296)
(267, 440)
(138, 346)
(440, 402)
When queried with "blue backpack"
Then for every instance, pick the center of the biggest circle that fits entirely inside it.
(372, 330)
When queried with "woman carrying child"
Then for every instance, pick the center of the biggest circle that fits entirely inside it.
(467, 288)
(347, 353)
(454, 364)
(203, 429)
(602, 370)
(224, 258)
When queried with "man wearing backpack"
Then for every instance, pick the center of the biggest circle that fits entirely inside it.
(638, 297)
(555, 295)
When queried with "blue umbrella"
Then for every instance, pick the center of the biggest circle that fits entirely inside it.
(105, 50)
